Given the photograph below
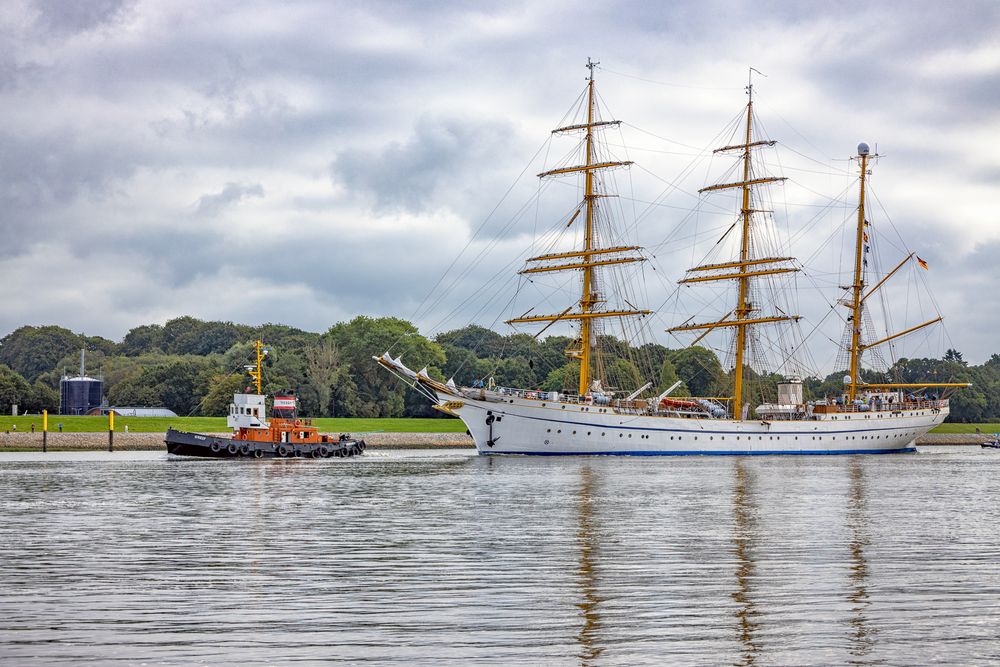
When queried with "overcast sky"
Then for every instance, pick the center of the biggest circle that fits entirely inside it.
(305, 162)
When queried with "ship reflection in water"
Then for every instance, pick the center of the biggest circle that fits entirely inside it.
(587, 537)
(744, 529)
(411, 557)
(857, 523)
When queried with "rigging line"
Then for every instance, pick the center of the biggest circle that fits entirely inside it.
(482, 225)
(667, 84)
(798, 134)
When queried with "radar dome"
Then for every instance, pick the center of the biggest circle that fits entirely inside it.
(862, 148)
(847, 379)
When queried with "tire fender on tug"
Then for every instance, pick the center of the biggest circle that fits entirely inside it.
(216, 446)
(282, 450)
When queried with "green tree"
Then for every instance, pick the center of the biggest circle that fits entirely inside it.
(379, 394)
(668, 376)
(564, 379)
(32, 351)
(221, 388)
(14, 390)
(142, 340)
(479, 340)
(700, 369)
(324, 371)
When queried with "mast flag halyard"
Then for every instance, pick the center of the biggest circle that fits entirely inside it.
(590, 256)
(744, 274)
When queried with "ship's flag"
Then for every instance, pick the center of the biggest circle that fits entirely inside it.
(922, 263)
(866, 236)
(284, 403)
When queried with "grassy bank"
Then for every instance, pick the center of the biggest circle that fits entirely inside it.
(218, 424)
(987, 429)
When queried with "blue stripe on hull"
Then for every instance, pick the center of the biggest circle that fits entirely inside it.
(812, 452)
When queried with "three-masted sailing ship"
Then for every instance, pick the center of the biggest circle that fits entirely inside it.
(863, 418)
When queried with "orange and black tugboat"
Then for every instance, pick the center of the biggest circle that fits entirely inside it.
(285, 435)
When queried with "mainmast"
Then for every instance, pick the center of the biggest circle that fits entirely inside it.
(588, 298)
(590, 256)
(745, 266)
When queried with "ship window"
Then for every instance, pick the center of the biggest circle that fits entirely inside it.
(548, 430)
(564, 407)
(574, 432)
(588, 432)
(602, 433)
(559, 431)
(630, 435)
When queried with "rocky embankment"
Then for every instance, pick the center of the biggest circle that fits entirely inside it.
(10, 442)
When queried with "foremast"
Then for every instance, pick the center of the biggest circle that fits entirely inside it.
(590, 256)
(746, 268)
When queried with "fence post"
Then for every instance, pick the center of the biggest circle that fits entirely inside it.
(45, 430)
(111, 430)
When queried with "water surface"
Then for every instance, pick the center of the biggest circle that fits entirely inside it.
(446, 557)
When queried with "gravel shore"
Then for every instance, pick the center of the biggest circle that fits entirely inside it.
(153, 441)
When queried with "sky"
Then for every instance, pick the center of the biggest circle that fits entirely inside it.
(306, 162)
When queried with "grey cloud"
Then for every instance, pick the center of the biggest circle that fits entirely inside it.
(61, 16)
(210, 206)
(198, 104)
(408, 176)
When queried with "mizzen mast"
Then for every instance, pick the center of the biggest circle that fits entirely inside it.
(590, 255)
(858, 285)
(859, 296)
(747, 267)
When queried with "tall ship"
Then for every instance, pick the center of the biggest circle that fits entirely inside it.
(255, 435)
(863, 416)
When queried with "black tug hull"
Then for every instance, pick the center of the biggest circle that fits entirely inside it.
(183, 443)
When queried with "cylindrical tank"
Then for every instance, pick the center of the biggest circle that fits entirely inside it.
(78, 395)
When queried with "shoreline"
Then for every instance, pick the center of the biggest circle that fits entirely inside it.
(69, 442)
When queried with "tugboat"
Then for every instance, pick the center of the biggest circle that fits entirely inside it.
(285, 435)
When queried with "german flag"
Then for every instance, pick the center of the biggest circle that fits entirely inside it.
(922, 263)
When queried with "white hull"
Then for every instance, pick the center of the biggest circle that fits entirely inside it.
(525, 426)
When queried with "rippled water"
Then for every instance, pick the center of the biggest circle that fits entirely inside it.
(447, 557)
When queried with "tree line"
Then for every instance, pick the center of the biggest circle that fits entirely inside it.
(193, 367)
